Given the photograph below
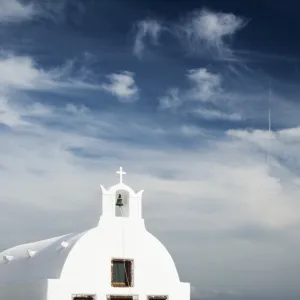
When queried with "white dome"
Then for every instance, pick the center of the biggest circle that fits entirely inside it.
(89, 254)
(93, 253)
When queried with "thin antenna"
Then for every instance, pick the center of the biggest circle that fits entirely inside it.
(269, 125)
(270, 96)
(270, 136)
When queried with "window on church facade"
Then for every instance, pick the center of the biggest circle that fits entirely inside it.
(157, 297)
(121, 273)
(84, 297)
(120, 298)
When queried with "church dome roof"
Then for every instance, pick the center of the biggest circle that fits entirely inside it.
(89, 252)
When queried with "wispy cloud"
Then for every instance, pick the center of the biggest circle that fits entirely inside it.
(15, 11)
(280, 143)
(14, 114)
(210, 30)
(214, 114)
(19, 72)
(8, 116)
(205, 85)
(150, 29)
(203, 31)
(123, 86)
(22, 72)
(205, 89)
(172, 100)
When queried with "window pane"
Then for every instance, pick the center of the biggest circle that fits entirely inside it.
(119, 272)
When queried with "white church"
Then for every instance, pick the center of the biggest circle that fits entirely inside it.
(116, 260)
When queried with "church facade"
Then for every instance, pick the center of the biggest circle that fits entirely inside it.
(116, 260)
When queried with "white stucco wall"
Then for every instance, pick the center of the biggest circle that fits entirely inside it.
(59, 290)
(120, 238)
(87, 269)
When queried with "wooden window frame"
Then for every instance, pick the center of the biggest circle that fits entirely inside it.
(109, 297)
(121, 284)
(157, 297)
(84, 296)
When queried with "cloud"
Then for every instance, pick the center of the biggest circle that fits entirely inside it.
(15, 114)
(193, 131)
(123, 86)
(8, 116)
(15, 11)
(22, 72)
(280, 149)
(257, 136)
(203, 32)
(211, 30)
(206, 293)
(213, 114)
(205, 90)
(146, 28)
(227, 175)
(172, 99)
(19, 72)
(205, 85)
(290, 134)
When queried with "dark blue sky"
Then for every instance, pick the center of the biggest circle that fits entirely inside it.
(266, 48)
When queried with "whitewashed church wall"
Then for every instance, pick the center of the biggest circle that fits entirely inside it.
(59, 290)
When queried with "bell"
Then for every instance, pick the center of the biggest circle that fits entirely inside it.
(119, 201)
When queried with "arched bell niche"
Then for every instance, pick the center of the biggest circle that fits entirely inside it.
(123, 197)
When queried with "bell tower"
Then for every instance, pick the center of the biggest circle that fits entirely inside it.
(121, 201)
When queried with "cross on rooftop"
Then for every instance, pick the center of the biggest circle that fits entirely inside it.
(121, 173)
